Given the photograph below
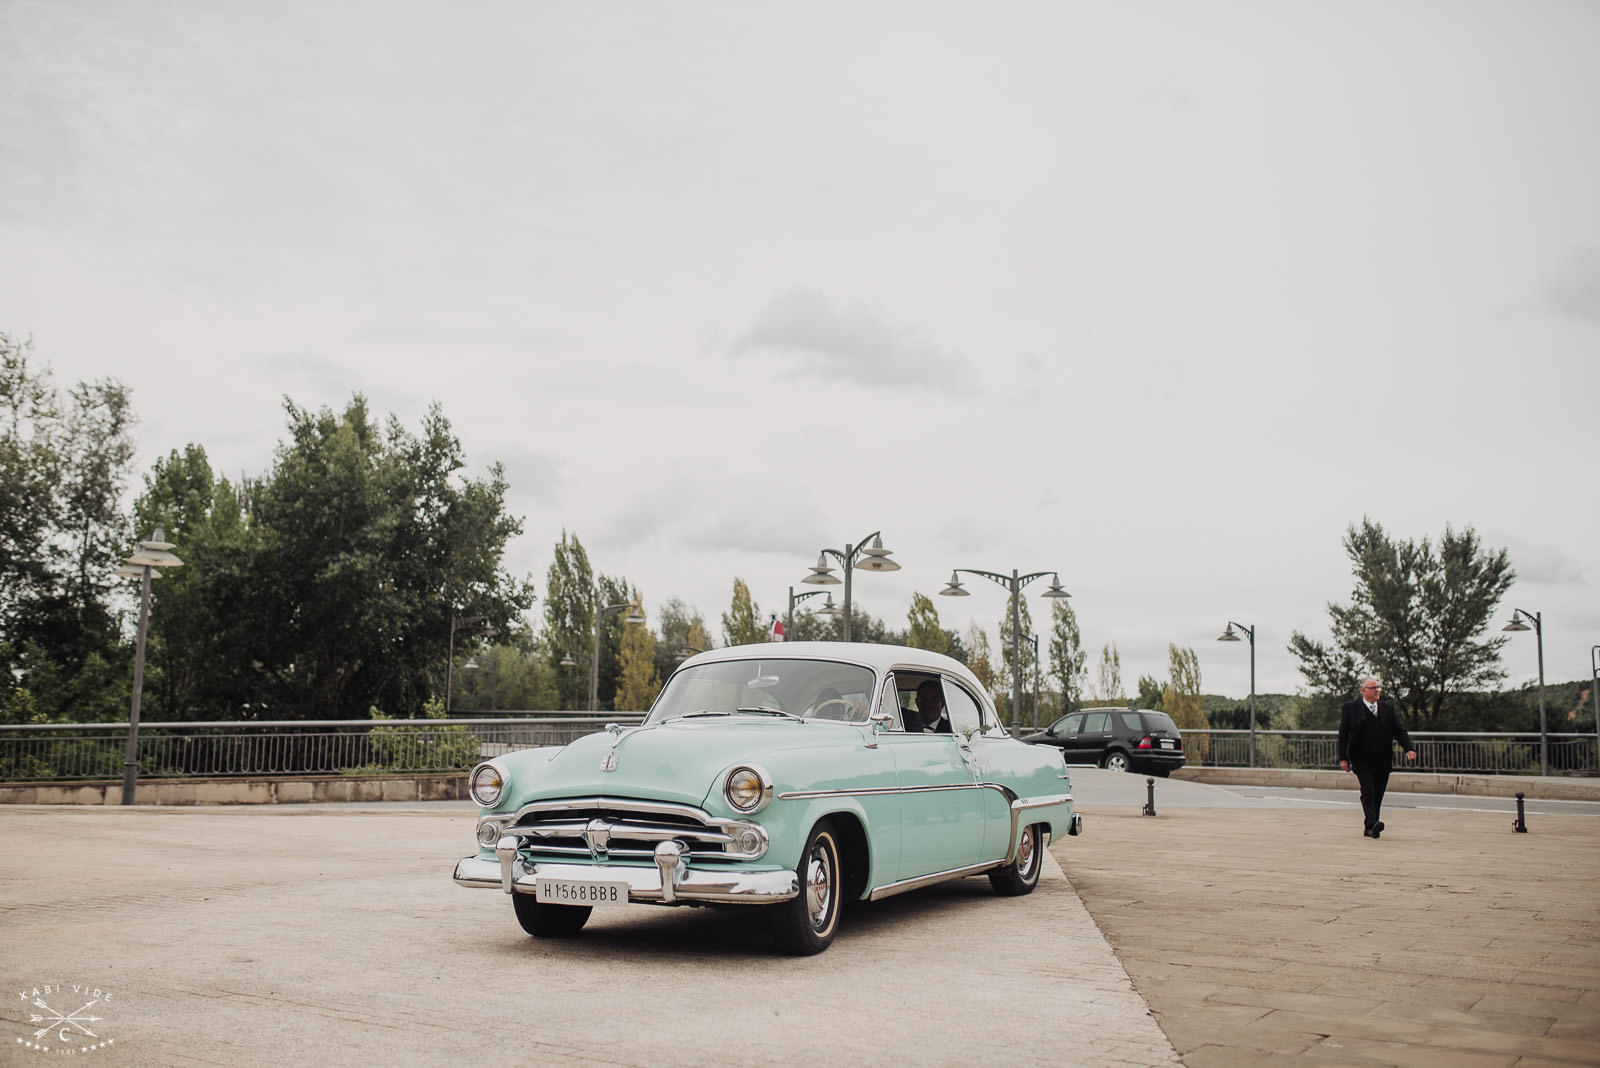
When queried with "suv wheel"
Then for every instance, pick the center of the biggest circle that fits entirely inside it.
(1116, 761)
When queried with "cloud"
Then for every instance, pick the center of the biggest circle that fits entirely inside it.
(1574, 291)
(813, 337)
(532, 477)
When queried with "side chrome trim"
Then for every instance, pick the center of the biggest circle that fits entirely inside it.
(890, 889)
(880, 791)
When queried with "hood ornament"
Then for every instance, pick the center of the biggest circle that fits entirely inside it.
(618, 732)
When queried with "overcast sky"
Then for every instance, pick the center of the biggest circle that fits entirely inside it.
(1159, 296)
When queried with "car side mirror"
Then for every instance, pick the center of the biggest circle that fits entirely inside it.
(882, 721)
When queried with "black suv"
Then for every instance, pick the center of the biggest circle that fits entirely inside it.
(1122, 739)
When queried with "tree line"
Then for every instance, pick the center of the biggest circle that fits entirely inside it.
(363, 573)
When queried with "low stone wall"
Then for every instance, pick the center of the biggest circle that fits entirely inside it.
(1551, 788)
(302, 790)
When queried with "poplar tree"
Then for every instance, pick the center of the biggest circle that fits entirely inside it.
(922, 626)
(1067, 655)
(741, 623)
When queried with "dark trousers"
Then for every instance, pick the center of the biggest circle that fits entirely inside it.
(1373, 776)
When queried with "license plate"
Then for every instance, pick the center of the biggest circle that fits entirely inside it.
(1168, 743)
(581, 892)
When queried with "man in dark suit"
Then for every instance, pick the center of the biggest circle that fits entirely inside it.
(1368, 729)
(930, 706)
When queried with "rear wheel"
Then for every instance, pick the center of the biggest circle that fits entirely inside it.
(1021, 875)
(1115, 761)
(805, 925)
(549, 921)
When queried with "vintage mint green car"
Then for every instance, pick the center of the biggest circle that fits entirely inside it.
(790, 776)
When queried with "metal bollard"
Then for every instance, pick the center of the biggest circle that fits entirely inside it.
(1150, 805)
(1521, 824)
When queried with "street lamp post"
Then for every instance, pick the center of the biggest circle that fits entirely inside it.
(1516, 624)
(1229, 636)
(450, 659)
(827, 609)
(633, 617)
(873, 557)
(1013, 583)
(1594, 690)
(153, 553)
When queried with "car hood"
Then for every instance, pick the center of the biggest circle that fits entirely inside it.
(681, 760)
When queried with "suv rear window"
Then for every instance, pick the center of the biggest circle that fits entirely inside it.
(1159, 721)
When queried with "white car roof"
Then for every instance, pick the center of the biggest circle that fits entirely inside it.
(880, 658)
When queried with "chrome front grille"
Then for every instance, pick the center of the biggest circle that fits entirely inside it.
(620, 829)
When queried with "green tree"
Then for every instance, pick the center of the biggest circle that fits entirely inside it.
(1067, 656)
(613, 590)
(370, 541)
(979, 658)
(201, 632)
(1415, 619)
(741, 623)
(1109, 689)
(922, 626)
(1026, 665)
(1181, 698)
(639, 683)
(569, 620)
(1151, 692)
(678, 638)
(63, 469)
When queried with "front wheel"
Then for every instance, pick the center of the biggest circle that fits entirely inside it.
(1022, 874)
(805, 925)
(1115, 761)
(549, 921)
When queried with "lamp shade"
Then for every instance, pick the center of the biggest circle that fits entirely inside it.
(876, 558)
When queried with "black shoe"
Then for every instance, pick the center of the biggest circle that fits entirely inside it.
(1369, 833)
(1377, 829)
(1378, 826)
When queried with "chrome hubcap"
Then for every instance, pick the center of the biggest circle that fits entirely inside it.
(819, 886)
(1025, 852)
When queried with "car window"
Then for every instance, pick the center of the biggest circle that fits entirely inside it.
(1095, 722)
(1159, 721)
(821, 689)
(1131, 721)
(903, 685)
(1068, 725)
(991, 722)
(962, 708)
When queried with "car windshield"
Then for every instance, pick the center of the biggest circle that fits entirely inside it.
(805, 689)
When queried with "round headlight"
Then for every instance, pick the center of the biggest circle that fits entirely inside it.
(485, 785)
(747, 788)
(488, 833)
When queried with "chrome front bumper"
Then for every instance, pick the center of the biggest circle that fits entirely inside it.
(669, 881)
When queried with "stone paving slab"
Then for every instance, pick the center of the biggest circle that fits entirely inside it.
(1261, 934)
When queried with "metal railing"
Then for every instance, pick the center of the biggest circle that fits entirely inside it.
(1437, 751)
(92, 751)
